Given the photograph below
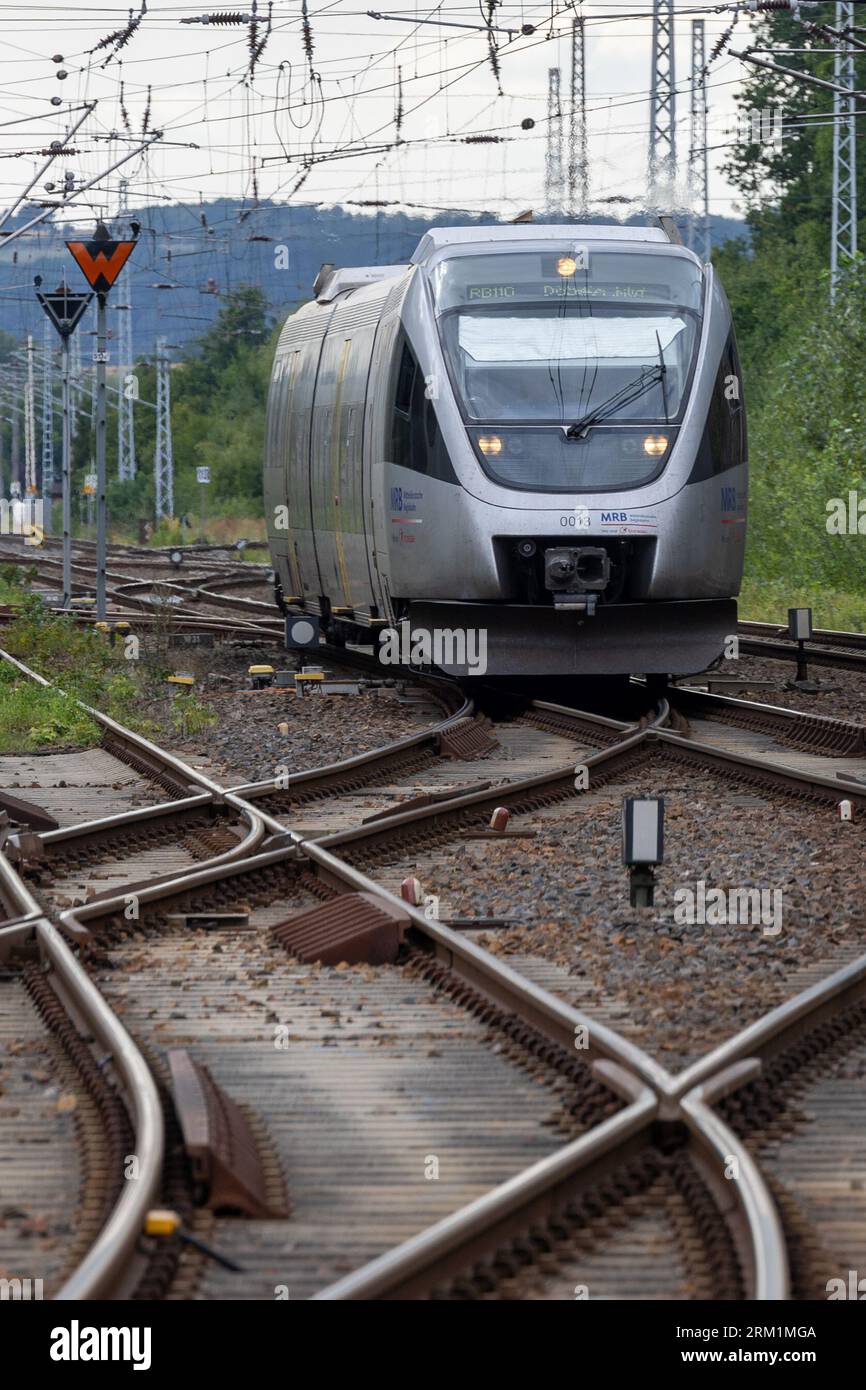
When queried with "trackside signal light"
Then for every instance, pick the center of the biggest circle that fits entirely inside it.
(800, 624)
(655, 445)
(643, 820)
(490, 444)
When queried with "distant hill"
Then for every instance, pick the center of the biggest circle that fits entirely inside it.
(190, 256)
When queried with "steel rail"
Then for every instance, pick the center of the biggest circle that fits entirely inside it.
(761, 1243)
(439, 1249)
(502, 794)
(820, 730)
(214, 793)
(716, 699)
(254, 790)
(497, 981)
(125, 593)
(18, 901)
(181, 622)
(102, 1267)
(852, 659)
(782, 1025)
(254, 605)
(358, 760)
(137, 816)
(169, 761)
(775, 774)
(167, 810)
(557, 1020)
(548, 706)
(821, 636)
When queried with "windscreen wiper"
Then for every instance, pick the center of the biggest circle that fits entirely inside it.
(624, 396)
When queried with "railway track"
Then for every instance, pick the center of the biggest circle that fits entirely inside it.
(844, 650)
(158, 897)
(812, 733)
(615, 1157)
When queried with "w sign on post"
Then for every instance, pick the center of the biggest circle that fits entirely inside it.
(101, 261)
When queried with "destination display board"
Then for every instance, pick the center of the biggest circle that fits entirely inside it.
(532, 278)
(567, 289)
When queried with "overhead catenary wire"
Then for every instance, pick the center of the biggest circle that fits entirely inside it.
(363, 142)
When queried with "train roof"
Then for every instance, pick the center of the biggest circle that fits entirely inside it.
(439, 237)
(332, 281)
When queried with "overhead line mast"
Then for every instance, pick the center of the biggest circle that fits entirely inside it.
(125, 361)
(699, 234)
(553, 168)
(163, 453)
(578, 162)
(662, 157)
(47, 418)
(843, 229)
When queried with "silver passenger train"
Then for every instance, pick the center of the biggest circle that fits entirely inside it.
(537, 432)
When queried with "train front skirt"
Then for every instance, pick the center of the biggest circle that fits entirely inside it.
(676, 639)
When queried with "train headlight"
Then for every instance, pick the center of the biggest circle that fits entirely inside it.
(490, 444)
(566, 265)
(655, 445)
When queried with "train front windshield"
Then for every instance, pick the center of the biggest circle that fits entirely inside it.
(599, 343)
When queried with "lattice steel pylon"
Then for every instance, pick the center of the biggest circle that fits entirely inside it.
(30, 422)
(662, 160)
(699, 235)
(843, 229)
(125, 359)
(163, 456)
(578, 164)
(554, 170)
(47, 460)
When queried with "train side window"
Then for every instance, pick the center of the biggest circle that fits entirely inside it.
(723, 443)
(738, 407)
(416, 439)
(405, 381)
(401, 447)
(726, 422)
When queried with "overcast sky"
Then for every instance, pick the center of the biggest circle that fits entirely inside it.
(219, 125)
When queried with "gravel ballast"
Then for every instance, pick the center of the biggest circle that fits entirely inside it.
(676, 988)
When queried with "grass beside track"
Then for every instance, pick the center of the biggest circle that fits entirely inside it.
(122, 682)
(769, 603)
(32, 717)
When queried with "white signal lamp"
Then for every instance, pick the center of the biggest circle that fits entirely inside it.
(643, 845)
(800, 630)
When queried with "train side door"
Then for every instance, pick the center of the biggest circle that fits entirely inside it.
(299, 457)
(338, 513)
(377, 445)
(281, 508)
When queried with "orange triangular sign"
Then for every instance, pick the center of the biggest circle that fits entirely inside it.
(101, 261)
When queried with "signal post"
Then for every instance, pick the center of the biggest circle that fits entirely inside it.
(101, 261)
(65, 310)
